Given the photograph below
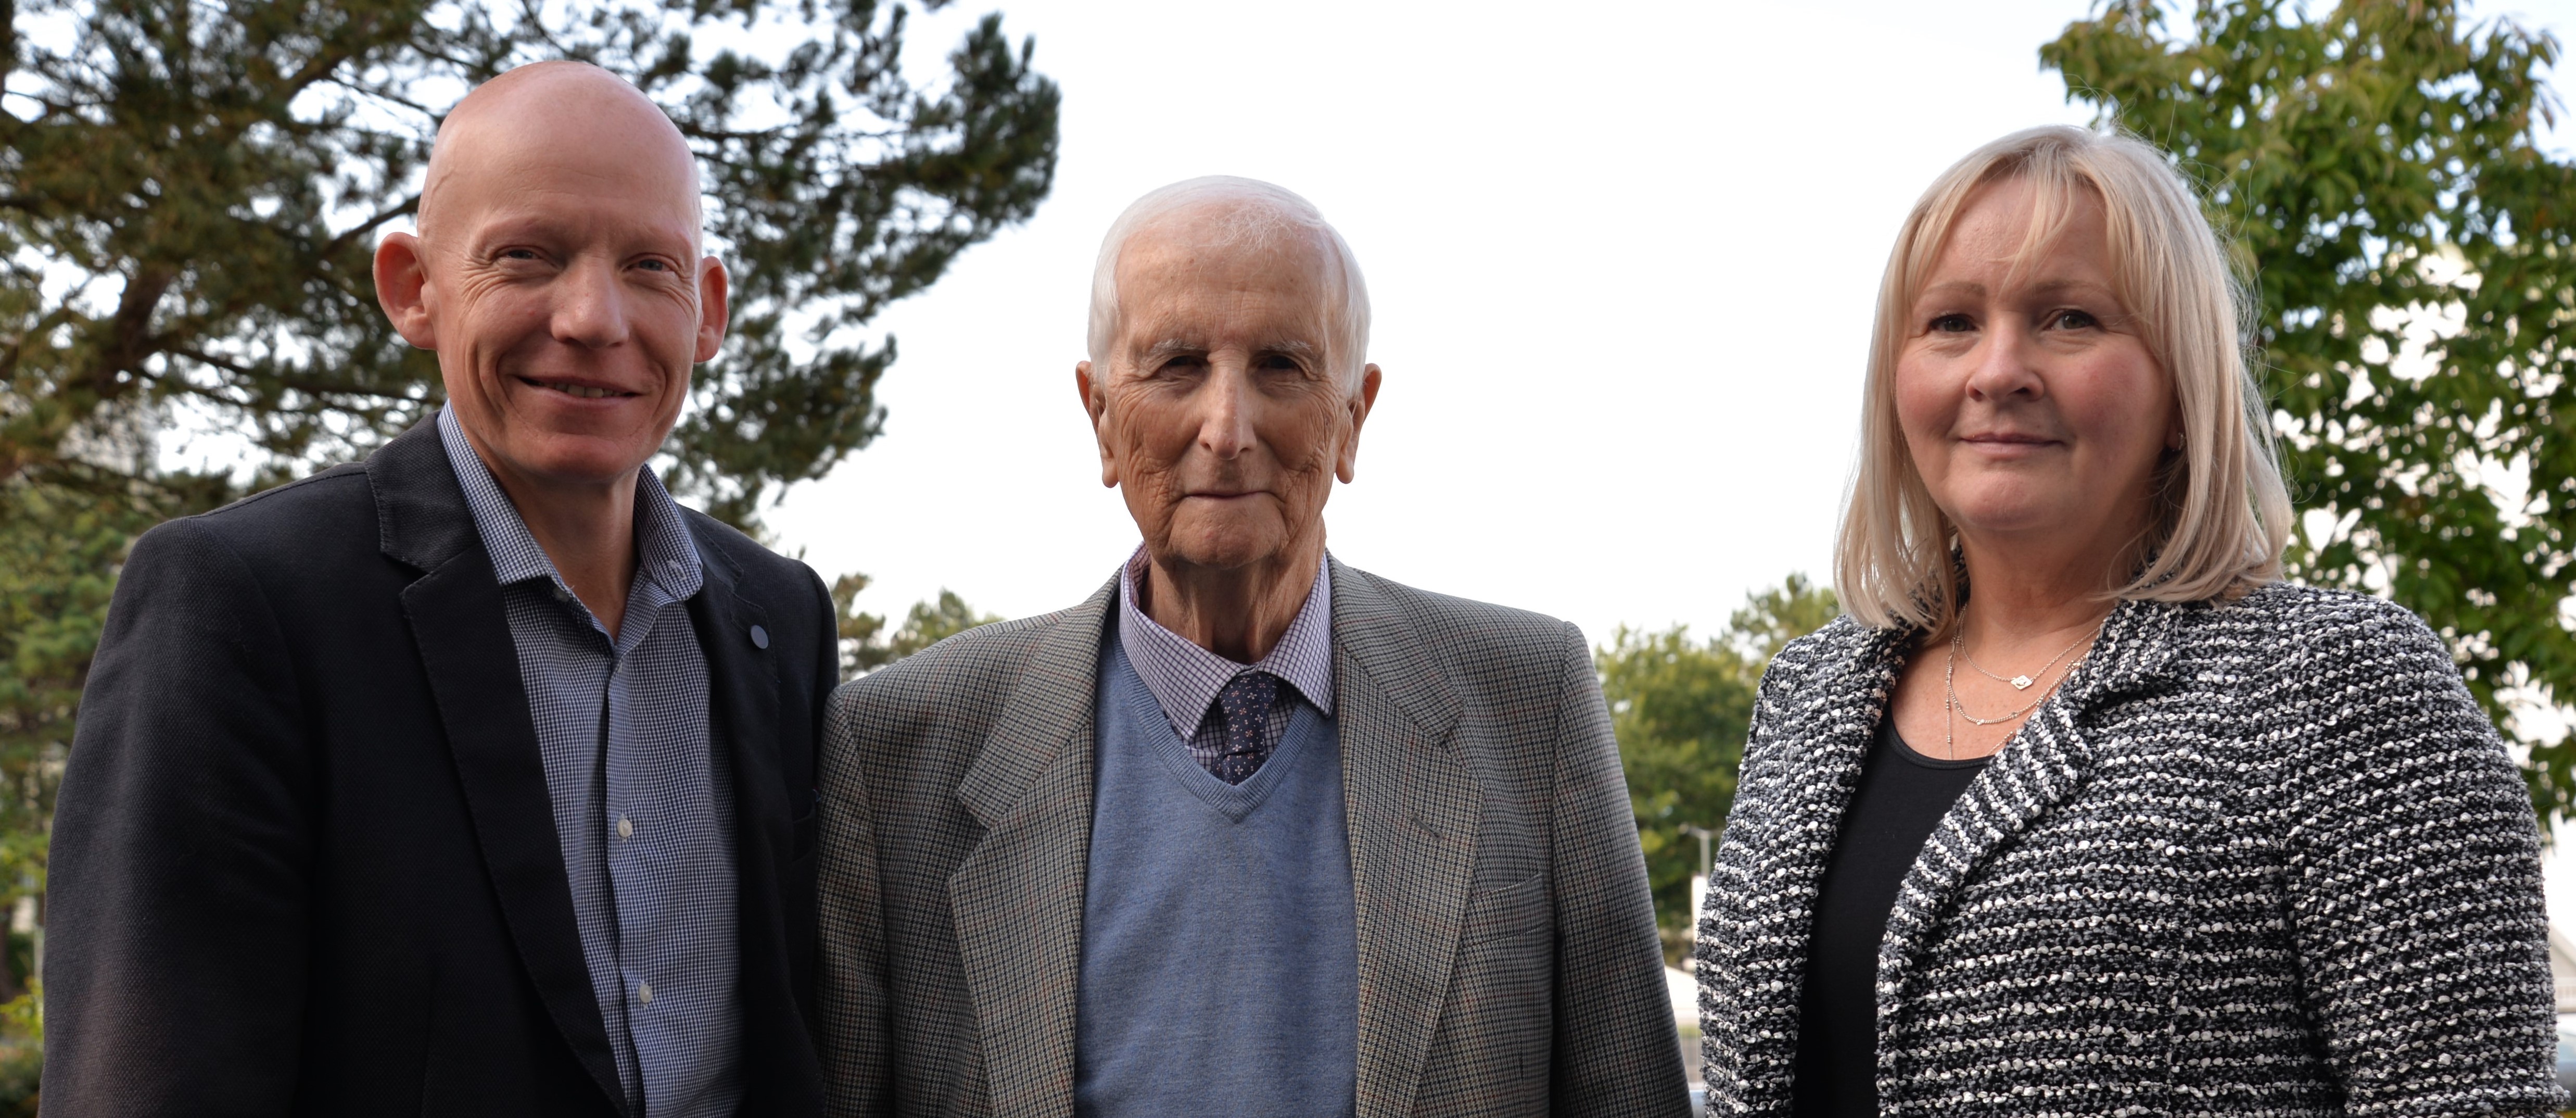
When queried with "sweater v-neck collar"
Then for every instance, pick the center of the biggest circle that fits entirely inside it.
(1236, 802)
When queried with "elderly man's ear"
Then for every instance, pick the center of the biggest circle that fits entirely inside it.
(402, 289)
(1095, 403)
(1361, 402)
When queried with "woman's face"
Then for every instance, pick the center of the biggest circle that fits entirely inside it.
(2032, 407)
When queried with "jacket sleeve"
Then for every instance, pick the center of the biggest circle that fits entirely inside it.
(2414, 881)
(1617, 1050)
(178, 886)
(854, 1026)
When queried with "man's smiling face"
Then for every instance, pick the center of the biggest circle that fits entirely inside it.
(564, 290)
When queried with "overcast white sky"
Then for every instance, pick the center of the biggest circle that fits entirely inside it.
(1622, 259)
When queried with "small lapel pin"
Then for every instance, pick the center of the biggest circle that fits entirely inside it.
(759, 637)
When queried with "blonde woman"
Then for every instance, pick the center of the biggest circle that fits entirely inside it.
(2082, 810)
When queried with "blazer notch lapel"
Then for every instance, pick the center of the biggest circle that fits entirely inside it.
(2136, 650)
(1381, 642)
(421, 518)
(1016, 900)
(461, 630)
(1053, 695)
(2044, 765)
(1414, 811)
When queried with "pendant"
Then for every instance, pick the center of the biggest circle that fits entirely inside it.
(2021, 683)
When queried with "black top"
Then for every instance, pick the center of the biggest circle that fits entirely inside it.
(1902, 796)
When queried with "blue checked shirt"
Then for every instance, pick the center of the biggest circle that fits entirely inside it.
(641, 804)
(1185, 678)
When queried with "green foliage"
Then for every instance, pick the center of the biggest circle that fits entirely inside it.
(1680, 708)
(60, 547)
(929, 623)
(22, 1051)
(862, 650)
(204, 183)
(2417, 297)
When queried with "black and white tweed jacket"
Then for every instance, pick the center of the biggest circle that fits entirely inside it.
(2265, 858)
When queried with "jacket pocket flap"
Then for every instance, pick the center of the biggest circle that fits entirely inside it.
(1508, 911)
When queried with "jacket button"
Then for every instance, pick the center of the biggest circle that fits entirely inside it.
(759, 637)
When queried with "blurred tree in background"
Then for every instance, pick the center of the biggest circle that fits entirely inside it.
(863, 650)
(202, 184)
(191, 191)
(2416, 298)
(1680, 708)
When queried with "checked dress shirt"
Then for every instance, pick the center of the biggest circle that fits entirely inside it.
(641, 807)
(1187, 680)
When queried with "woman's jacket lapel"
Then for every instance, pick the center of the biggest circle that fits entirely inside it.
(1798, 785)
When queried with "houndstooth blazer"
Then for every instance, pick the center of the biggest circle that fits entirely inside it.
(1508, 963)
(2260, 858)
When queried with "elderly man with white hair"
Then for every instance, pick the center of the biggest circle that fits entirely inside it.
(1248, 832)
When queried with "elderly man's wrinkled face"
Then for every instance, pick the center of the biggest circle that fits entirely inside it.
(1224, 416)
(558, 276)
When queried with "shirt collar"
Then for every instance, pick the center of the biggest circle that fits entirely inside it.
(1186, 678)
(665, 553)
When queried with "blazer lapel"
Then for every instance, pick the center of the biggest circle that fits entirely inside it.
(743, 689)
(463, 635)
(2048, 761)
(1798, 838)
(1017, 898)
(1413, 810)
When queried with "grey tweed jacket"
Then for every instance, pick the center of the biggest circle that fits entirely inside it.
(2265, 858)
(1507, 952)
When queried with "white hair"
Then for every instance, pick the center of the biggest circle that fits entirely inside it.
(1248, 210)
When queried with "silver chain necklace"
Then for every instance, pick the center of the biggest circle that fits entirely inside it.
(1952, 706)
(1958, 643)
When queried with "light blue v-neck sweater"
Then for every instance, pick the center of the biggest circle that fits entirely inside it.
(1220, 948)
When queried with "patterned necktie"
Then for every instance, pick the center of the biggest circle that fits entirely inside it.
(1245, 706)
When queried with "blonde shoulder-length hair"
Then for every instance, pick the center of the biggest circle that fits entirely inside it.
(2222, 516)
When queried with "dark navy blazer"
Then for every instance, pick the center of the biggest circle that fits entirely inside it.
(304, 861)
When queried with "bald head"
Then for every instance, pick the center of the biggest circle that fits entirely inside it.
(1219, 216)
(559, 273)
(573, 118)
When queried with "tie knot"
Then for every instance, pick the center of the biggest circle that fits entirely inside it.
(1246, 705)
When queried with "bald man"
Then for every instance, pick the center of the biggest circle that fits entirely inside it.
(478, 778)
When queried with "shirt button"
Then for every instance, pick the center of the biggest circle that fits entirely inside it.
(625, 827)
(644, 993)
(759, 637)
